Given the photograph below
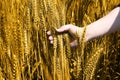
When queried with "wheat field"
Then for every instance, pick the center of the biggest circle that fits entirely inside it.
(25, 51)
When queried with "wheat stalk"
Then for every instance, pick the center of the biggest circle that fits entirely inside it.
(25, 51)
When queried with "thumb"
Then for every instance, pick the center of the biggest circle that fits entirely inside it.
(63, 28)
(74, 43)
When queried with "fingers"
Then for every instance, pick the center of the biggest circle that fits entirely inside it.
(72, 44)
(49, 33)
(66, 28)
(50, 37)
(51, 42)
(62, 29)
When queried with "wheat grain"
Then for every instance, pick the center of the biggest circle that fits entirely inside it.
(26, 52)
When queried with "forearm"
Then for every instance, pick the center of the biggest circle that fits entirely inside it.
(107, 24)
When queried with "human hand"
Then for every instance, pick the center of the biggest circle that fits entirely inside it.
(69, 29)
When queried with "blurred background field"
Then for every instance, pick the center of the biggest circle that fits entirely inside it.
(25, 51)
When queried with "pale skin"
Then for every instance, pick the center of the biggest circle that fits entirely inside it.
(107, 24)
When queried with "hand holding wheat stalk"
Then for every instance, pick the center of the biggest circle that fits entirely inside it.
(71, 29)
(108, 24)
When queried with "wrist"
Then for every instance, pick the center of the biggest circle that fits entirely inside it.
(79, 32)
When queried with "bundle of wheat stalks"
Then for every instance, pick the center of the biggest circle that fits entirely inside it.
(25, 51)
